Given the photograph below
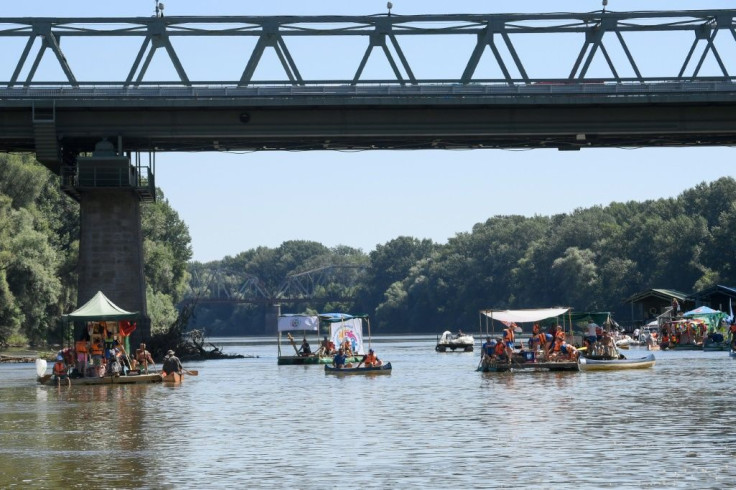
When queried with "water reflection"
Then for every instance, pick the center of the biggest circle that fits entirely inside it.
(434, 422)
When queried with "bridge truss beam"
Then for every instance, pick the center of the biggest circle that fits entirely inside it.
(595, 32)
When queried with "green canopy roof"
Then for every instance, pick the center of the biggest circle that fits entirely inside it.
(102, 309)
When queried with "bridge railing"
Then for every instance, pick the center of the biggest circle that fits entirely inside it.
(576, 47)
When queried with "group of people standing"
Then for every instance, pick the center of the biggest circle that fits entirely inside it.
(101, 355)
(599, 342)
(97, 358)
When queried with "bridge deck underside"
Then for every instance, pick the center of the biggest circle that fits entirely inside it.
(193, 124)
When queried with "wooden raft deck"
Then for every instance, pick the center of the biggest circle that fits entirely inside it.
(519, 364)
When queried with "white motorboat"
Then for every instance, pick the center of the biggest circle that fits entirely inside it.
(460, 341)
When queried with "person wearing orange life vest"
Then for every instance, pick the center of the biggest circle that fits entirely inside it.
(538, 341)
(60, 371)
(370, 359)
(347, 348)
(97, 350)
(500, 351)
(732, 335)
(81, 347)
(556, 349)
(509, 339)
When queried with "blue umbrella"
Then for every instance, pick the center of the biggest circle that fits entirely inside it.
(701, 310)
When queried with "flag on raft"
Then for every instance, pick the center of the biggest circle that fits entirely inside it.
(127, 328)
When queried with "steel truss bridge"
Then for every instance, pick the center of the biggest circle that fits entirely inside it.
(608, 89)
(227, 286)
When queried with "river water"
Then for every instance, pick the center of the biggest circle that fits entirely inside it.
(433, 423)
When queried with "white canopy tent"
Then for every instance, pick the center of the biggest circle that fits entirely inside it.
(509, 317)
(524, 316)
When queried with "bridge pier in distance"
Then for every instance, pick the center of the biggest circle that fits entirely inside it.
(272, 319)
(111, 252)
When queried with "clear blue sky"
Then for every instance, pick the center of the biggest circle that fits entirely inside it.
(234, 202)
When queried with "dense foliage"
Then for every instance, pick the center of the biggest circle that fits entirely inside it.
(39, 243)
(589, 259)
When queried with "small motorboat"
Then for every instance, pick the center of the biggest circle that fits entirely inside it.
(382, 369)
(623, 342)
(462, 342)
(588, 364)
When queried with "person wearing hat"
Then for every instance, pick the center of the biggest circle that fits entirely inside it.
(60, 371)
(171, 364)
(370, 360)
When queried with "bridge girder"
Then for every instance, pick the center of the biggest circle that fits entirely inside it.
(396, 122)
(398, 110)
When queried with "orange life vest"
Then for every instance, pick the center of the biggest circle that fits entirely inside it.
(508, 334)
(370, 359)
(97, 348)
(81, 346)
(59, 368)
(500, 349)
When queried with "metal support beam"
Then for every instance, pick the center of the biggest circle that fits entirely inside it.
(158, 32)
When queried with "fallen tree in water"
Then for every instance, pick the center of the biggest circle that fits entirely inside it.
(188, 345)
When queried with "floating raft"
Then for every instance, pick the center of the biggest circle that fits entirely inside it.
(382, 369)
(4, 358)
(527, 362)
(48, 379)
(308, 360)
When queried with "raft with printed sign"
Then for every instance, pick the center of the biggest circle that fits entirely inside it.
(342, 328)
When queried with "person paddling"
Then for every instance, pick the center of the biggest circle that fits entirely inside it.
(172, 364)
(370, 360)
(339, 360)
(143, 358)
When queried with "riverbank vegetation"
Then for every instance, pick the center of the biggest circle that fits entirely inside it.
(590, 259)
(39, 243)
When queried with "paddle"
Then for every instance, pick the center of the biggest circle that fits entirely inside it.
(293, 344)
(193, 372)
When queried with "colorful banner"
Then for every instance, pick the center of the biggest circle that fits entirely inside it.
(351, 330)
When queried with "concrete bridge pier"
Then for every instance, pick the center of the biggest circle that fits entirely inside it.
(272, 318)
(111, 252)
